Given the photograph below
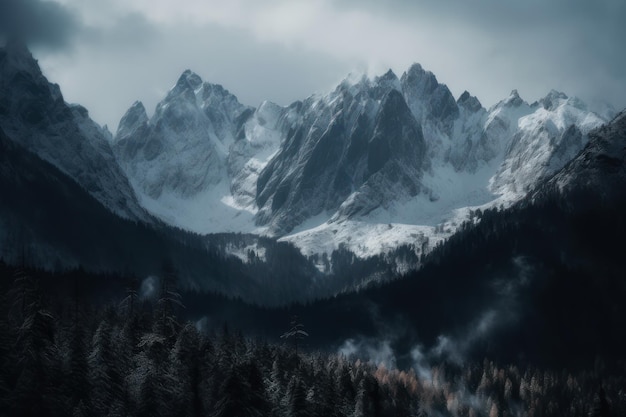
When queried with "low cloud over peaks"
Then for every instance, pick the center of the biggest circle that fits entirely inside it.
(38, 23)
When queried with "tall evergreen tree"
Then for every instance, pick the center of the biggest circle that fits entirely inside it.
(368, 400)
(37, 363)
(296, 399)
(104, 367)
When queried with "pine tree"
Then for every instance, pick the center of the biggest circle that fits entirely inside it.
(169, 300)
(368, 400)
(345, 389)
(150, 402)
(258, 402)
(232, 392)
(104, 367)
(295, 399)
(296, 333)
(185, 372)
(37, 361)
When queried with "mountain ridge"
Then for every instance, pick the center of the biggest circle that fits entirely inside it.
(34, 114)
(384, 159)
(320, 160)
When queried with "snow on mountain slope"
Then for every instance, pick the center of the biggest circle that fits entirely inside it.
(352, 150)
(34, 114)
(601, 166)
(177, 161)
(507, 150)
(546, 139)
(183, 147)
(259, 141)
(371, 165)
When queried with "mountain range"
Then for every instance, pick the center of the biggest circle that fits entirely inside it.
(374, 164)
(371, 177)
(394, 220)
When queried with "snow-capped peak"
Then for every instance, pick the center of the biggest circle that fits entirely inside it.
(469, 102)
(420, 81)
(374, 150)
(388, 81)
(134, 118)
(553, 99)
(547, 137)
(513, 100)
(178, 159)
(187, 80)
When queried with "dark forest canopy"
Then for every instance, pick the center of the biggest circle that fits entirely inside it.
(62, 358)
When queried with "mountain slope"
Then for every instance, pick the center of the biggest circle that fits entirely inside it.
(355, 150)
(177, 160)
(33, 113)
(601, 165)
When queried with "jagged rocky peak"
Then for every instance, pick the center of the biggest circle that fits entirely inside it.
(397, 135)
(421, 81)
(214, 91)
(552, 100)
(136, 114)
(354, 84)
(187, 80)
(184, 90)
(21, 80)
(361, 87)
(134, 119)
(343, 143)
(430, 102)
(513, 100)
(182, 151)
(469, 102)
(389, 80)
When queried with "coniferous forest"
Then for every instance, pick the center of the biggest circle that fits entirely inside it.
(138, 358)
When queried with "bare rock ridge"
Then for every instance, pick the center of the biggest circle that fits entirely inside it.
(34, 114)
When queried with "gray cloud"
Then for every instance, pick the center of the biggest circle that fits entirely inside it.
(41, 23)
(134, 59)
(283, 51)
(533, 45)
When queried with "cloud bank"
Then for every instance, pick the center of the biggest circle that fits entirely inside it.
(106, 55)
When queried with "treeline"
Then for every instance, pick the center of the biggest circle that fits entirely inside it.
(67, 357)
(62, 358)
(486, 389)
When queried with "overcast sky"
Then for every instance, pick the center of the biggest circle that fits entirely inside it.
(105, 54)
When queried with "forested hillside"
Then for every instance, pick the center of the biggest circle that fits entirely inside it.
(133, 358)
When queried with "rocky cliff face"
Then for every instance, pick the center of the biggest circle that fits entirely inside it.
(353, 150)
(601, 166)
(34, 114)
